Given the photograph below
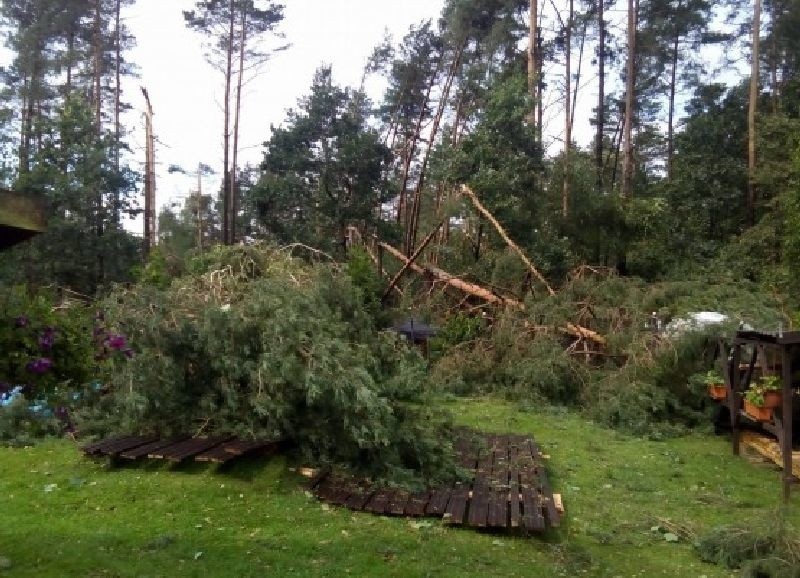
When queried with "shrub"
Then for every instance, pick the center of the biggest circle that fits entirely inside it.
(47, 356)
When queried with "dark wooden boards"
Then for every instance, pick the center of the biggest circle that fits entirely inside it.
(113, 446)
(219, 450)
(507, 490)
(147, 449)
(233, 449)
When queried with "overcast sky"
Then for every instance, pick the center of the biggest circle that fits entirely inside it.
(186, 92)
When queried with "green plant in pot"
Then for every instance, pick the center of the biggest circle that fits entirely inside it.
(762, 397)
(715, 384)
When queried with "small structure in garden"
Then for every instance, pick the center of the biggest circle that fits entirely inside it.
(417, 332)
(21, 217)
(769, 402)
(508, 489)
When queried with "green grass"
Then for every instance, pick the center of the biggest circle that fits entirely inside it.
(255, 519)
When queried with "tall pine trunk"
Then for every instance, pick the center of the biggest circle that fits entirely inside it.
(533, 77)
(751, 117)
(413, 220)
(567, 112)
(117, 105)
(411, 146)
(671, 118)
(226, 134)
(237, 112)
(98, 120)
(601, 96)
(98, 65)
(630, 88)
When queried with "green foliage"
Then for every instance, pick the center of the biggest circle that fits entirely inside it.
(712, 377)
(643, 382)
(156, 270)
(362, 273)
(766, 383)
(760, 550)
(258, 344)
(74, 171)
(323, 171)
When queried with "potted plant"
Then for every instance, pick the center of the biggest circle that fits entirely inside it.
(763, 397)
(715, 384)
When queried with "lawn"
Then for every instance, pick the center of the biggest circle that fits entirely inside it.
(64, 515)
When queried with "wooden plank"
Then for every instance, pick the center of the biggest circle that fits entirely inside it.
(145, 450)
(325, 489)
(379, 502)
(128, 444)
(112, 444)
(553, 516)
(235, 449)
(416, 504)
(497, 515)
(498, 509)
(532, 518)
(358, 499)
(479, 506)
(437, 505)
(397, 503)
(456, 506)
(189, 448)
(90, 449)
(341, 493)
(514, 503)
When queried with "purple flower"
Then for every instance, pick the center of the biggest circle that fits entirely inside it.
(117, 342)
(128, 352)
(21, 321)
(62, 413)
(39, 366)
(4, 387)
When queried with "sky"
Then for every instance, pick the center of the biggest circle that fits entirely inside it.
(186, 92)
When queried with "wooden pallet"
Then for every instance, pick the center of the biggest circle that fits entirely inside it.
(508, 489)
(220, 450)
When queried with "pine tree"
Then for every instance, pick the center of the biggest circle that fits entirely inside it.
(235, 28)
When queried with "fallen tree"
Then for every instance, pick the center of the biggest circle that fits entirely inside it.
(483, 293)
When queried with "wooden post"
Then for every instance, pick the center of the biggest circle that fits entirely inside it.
(199, 210)
(734, 400)
(786, 419)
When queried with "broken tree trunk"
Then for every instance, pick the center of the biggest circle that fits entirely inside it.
(485, 294)
(483, 211)
(407, 264)
(451, 280)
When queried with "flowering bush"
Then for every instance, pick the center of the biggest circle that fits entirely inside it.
(47, 355)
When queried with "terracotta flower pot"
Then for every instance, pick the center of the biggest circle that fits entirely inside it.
(756, 412)
(717, 391)
(773, 399)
